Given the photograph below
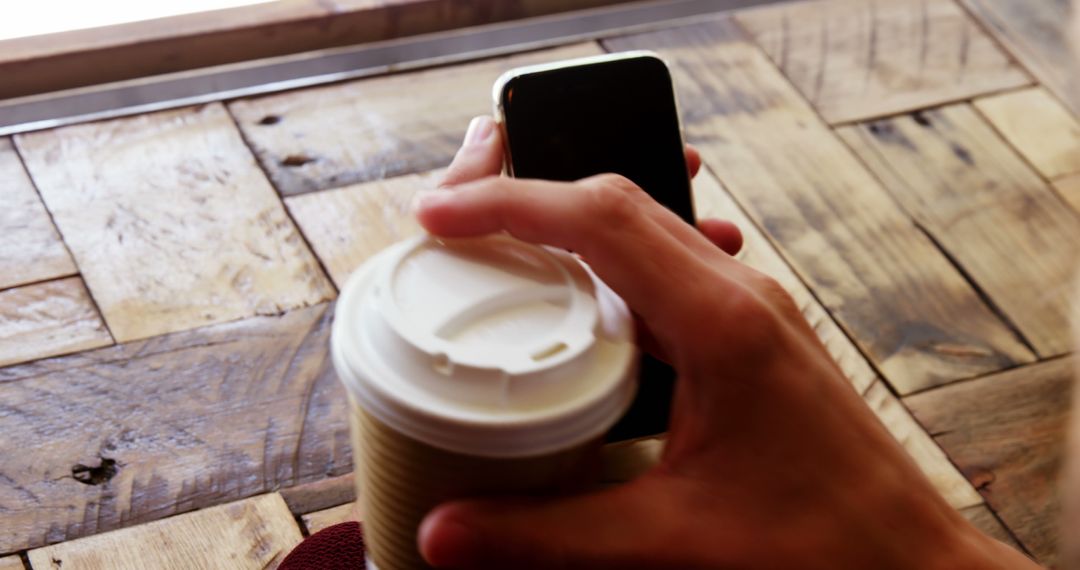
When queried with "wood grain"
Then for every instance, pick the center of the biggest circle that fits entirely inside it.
(346, 226)
(149, 429)
(986, 208)
(712, 200)
(1069, 189)
(320, 494)
(929, 457)
(48, 319)
(1039, 127)
(857, 59)
(374, 128)
(30, 249)
(172, 222)
(1006, 434)
(893, 291)
(253, 534)
(314, 522)
(1036, 34)
(11, 563)
(983, 518)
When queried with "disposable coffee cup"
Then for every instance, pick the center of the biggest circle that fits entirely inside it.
(475, 367)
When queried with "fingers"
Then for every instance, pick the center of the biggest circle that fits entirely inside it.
(665, 218)
(616, 528)
(693, 160)
(603, 218)
(645, 339)
(480, 155)
(723, 234)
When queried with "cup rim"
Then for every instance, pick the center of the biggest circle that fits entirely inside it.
(550, 429)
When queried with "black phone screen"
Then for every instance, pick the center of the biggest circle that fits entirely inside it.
(615, 116)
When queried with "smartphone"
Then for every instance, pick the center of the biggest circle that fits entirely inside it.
(610, 113)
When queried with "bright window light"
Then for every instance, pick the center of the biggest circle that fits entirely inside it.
(47, 16)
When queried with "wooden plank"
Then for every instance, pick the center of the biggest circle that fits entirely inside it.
(984, 519)
(64, 60)
(986, 208)
(171, 221)
(320, 494)
(884, 281)
(1006, 433)
(314, 522)
(375, 128)
(1039, 127)
(11, 563)
(31, 249)
(48, 319)
(1069, 189)
(253, 534)
(711, 200)
(857, 59)
(345, 226)
(1037, 34)
(929, 457)
(148, 429)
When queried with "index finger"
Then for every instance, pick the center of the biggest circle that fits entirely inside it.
(598, 218)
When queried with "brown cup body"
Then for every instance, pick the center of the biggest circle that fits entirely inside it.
(399, 480)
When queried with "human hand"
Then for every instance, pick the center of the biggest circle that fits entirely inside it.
(772, 460)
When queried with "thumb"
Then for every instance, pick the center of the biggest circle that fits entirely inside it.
(480, 155)
(613, 528)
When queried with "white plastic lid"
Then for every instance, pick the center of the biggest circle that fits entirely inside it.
(486, 346)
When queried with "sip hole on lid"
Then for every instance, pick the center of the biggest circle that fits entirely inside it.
(441, 364)
(550, 351)
(485, 346)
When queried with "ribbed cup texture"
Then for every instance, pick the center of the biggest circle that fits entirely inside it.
(400, 480)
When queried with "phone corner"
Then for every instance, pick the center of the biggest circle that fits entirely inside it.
(502, 83)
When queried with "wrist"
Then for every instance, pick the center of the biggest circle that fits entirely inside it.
(902, 523)
(942, 539)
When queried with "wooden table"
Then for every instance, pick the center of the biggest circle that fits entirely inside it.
(908, 169)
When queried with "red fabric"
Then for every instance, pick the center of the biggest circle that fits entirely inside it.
(338, 547)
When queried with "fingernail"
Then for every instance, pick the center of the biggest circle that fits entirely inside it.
(480, 130)
(448, 543)
(428, 198)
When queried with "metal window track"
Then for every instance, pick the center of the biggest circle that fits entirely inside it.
(327, 66)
